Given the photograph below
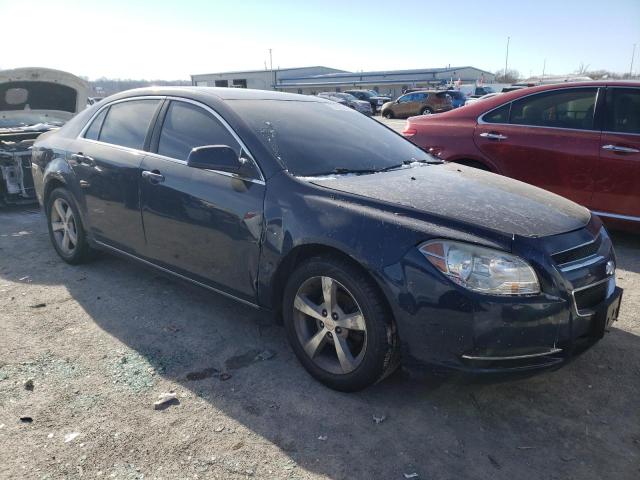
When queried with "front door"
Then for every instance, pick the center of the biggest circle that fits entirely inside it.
(547, 139)
(617, 186)
(404, 106)
(106, 161)
(200, 223)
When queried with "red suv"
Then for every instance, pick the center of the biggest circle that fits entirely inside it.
(579, 140)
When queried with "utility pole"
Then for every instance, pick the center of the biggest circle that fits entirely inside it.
(506, 59)
(270, 60)
(633, 54)
(544, 67)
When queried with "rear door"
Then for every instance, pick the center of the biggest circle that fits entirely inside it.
(547, 139)
(617, 186)
(106, 159)
(201, 223)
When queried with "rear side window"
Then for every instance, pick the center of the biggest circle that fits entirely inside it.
(187, 126)
(499, 115)
(93, 131)
(623, 110)
(566, 108)
(127, 123)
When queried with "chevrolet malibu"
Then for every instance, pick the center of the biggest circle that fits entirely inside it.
(372, 251)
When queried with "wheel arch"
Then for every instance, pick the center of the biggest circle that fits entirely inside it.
(299, 254)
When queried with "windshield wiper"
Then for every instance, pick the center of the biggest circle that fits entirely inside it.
(365, 171)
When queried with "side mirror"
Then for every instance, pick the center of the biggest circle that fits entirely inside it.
(219, 157)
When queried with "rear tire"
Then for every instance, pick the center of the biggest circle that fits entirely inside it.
(426, 111)
(66, 231)
(357, 321)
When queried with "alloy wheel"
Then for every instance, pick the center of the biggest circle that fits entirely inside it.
(63, 226)
(330, 325)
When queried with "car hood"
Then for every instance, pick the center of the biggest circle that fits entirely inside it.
(467, 195)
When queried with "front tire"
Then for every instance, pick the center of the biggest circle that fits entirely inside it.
(339, 325)
(388, 114)
(65, 227)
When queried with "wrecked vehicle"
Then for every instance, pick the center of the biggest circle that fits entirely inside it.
(371, 249)
(32, 101)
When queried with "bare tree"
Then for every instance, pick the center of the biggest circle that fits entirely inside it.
(582, 69)
(510, 76)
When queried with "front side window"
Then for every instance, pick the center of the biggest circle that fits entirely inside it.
(623, 110)
(188, 126)
(566, 108)
(127, 123)
(405, 98)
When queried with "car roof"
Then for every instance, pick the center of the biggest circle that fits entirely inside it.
(476, 109)
(218, 93)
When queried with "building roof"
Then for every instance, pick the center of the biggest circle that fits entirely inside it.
(268, 70)
(384, 73)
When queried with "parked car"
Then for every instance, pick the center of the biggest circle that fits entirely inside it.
(475, 91)
(32, 101)
(360, 240)
(457, 98)
(469, 101)
(581, 141)
(348, 100)
(370, 96)
(417, 103)
(92, 100)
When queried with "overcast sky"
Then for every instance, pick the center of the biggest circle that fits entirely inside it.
(173, 39)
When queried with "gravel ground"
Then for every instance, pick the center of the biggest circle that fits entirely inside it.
(86, 351)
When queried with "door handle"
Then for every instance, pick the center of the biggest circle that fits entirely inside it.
(153, 176)
(493, 136)
(83, 159)
(618, 148)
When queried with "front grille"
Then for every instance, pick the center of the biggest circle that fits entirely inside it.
(578, 253)
(591, 297)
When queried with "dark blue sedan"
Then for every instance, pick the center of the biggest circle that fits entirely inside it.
(372, 251)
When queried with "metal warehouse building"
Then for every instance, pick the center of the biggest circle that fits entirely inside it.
(311, 80)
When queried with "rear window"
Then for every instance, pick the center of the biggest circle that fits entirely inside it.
(127, 123)
(566, 108)
(499, 115)
(315, 138)
(93, 132)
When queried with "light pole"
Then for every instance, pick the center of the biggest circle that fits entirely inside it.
(506, 59)
(633, 54)
(544, 67)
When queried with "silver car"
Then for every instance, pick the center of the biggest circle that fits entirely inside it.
(348, 100)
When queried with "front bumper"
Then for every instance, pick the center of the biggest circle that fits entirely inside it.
(445, 326)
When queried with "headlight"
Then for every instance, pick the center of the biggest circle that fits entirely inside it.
(480, 269)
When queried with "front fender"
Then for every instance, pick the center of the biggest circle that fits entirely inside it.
(300, 214)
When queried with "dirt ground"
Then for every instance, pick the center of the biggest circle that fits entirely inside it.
(102, 341)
